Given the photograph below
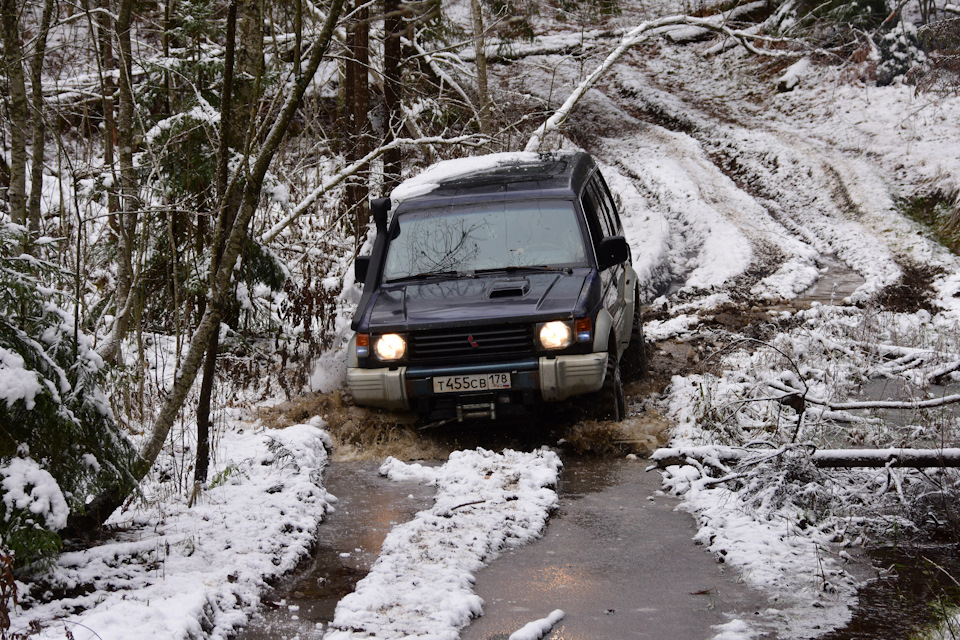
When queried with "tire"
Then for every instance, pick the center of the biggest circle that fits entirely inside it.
(634, 361)
(611, 404)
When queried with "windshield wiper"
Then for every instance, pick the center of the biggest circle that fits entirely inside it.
(428, 274)
(526, 267)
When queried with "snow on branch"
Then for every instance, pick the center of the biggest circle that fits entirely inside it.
(471, 140)
(792, 392)
(633, 37)
(721, 457)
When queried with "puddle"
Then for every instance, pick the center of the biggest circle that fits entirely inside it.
(836, 282)
(348, 544)
(918, 584)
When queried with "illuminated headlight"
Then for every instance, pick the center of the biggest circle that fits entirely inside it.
(555, 335)
(390, 346)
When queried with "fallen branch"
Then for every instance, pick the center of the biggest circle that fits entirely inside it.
(867, 404)
(723, 457)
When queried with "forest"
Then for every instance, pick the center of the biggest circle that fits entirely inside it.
(184, 185)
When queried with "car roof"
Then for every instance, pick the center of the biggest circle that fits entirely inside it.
(511, 177)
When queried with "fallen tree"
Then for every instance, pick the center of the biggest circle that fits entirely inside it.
(724, 458)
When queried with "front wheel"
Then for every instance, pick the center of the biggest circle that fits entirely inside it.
(635, 357)
(611, 404)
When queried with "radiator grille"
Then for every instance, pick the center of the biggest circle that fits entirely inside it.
(476, 343)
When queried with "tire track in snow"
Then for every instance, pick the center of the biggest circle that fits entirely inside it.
(794, 182)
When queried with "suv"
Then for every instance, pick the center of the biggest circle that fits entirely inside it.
(500, 282)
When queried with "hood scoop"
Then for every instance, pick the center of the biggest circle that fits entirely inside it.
(509, 289)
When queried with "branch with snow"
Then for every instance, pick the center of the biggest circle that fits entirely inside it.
(721, 457)
(471, 140)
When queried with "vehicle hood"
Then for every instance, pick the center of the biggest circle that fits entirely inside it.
(455, 302)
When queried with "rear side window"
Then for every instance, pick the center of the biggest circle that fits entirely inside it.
(608, 211)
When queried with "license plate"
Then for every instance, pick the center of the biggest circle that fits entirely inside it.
(474, 382)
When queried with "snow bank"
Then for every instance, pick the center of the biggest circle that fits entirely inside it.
(173, 571)
(421, 586)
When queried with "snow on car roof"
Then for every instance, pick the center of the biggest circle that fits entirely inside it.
(450, 171)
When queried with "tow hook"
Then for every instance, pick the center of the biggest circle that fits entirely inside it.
(479, 410)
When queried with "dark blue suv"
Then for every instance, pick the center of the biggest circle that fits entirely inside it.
(498, 283)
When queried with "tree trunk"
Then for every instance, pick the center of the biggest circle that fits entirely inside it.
(126, 293)
(39, 124)
(357, 102)
(249, 66)
(481, 49)
(104, 504)
(392, 88)
(19, 114)
(227, 214)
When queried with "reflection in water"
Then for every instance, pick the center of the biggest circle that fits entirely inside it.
(348, 544)
(917, 590)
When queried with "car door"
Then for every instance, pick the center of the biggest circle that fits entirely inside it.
(626, 276)
(597, 206)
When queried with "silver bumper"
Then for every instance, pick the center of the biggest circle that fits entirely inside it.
(559, 378)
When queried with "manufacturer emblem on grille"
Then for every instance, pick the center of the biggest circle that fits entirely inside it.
(473, 343)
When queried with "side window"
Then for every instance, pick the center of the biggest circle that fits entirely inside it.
(602, 207)
(590, 207)
(611, 206)
(608, 211)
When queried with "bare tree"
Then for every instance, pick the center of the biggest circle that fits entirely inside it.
(356, 107)
(18, 123)
(39, 122)
(392, 90)
(481, 49)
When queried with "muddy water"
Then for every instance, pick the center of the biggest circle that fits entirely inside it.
(619, 560)
(348, 543)
(616, 557)
(837, 281)
(915, 591)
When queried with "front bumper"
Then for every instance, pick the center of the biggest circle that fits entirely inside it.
(554, 379)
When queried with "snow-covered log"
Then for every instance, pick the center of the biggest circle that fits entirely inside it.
(724, 457)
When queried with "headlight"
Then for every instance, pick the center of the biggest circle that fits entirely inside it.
(555, 335)
(390, 346)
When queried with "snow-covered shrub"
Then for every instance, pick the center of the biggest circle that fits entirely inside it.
(830, 23)
(900, 53)
(58, 440)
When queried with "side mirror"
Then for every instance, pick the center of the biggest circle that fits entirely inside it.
(611, 251)
(360, 267)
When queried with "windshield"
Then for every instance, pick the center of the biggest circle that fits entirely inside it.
(489, 235)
